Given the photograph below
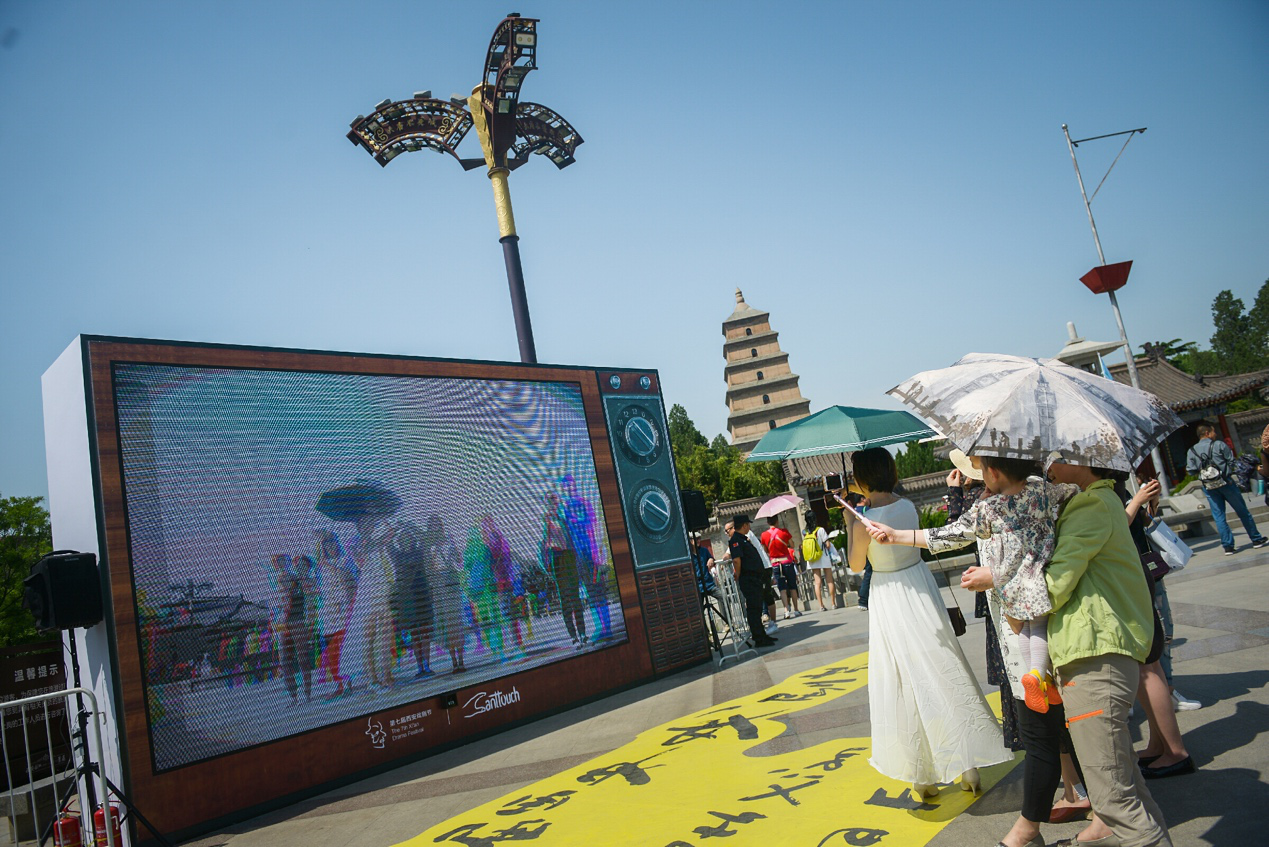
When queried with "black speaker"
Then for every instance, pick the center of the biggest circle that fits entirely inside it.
(695, 512)
(64, 591)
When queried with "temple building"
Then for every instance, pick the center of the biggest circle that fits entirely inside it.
(1201, 397)
(762, 392)
(1195, 398)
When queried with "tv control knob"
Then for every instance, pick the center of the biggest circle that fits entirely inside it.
(640, 436)
(654, 511)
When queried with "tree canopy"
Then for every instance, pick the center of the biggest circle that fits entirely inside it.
(716, 468)
(1239, 342)
(25, 536)
(917, 459)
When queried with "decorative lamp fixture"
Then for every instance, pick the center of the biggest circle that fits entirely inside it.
(509, 131)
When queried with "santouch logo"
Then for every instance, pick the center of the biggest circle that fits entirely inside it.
(485, 702)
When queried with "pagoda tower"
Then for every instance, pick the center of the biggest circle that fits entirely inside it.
(762, 393)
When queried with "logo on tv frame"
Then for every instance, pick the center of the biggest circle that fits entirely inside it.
(482, 702)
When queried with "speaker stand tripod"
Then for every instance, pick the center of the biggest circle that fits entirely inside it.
(87, 769)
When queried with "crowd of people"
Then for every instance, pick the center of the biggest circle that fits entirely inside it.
(351, 612)
(768, 569)
(1079, 630)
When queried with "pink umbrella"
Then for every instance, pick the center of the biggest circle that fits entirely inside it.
(775, 505)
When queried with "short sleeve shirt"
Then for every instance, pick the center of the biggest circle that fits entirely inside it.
(776, 540)
(742, 550)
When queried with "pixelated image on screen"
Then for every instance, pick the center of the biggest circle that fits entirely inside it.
(309, 548)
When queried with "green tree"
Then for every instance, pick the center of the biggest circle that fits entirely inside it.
(683, 433)
(1230, 341)
(1241, 339)
(25, 536)
(917, 458)
(1258, 318)
(716, 468)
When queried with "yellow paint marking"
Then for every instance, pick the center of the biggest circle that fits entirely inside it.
(708, 775)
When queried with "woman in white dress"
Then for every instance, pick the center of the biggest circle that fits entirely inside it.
(930, 722)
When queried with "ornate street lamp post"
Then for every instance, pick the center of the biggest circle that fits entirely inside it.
(509, 131)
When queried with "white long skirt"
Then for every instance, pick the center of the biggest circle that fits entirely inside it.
(930, 721)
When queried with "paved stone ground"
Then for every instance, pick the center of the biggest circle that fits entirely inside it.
(1221, 608)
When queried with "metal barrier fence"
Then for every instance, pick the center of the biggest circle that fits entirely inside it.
(43, 790)
(737, 639)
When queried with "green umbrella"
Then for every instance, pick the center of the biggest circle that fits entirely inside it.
(839, 429)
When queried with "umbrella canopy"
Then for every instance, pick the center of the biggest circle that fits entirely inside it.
(359, 500)
(778, 504)
(991, 404)
(839, 429)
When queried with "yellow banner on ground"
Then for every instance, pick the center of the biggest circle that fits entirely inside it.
(723, 772)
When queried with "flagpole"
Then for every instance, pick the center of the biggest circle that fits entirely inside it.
(1155, 457)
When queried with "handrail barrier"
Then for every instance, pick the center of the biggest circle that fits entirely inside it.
(45, 778)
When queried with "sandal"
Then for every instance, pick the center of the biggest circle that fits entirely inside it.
(1035, 696)
(1065, 814)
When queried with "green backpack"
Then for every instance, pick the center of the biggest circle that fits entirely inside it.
(811, 550)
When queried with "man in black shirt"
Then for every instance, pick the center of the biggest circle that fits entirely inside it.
(750, 573)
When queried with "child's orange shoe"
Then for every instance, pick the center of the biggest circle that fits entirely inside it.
(1053, 690)
(1034, 696)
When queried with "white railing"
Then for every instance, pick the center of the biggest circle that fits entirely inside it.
(738, 639)
(33, 802)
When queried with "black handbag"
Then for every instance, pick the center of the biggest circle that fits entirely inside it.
(1155, 566)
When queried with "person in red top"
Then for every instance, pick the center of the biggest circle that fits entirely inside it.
(784, 562)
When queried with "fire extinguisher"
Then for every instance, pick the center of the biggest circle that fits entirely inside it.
(67, 832)
(99, 826)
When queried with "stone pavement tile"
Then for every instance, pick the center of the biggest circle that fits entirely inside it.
(1216, 645)
(1231, 615)
(1222, 591)
(1183, 634)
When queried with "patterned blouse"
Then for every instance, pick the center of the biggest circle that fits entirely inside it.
(1015, 535)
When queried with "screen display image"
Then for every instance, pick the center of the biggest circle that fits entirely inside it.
(310, 548)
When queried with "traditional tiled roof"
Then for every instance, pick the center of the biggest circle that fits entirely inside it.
(803, 470)
(1182, 391)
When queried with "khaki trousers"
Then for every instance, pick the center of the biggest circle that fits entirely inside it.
(1098, 693)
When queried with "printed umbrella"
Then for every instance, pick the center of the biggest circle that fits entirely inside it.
(778, 504)
(839, 429)
(991, 404)
(354, 502)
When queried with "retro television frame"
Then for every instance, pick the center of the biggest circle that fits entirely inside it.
(626, 425)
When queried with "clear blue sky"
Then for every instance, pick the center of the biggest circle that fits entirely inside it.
(889, 180)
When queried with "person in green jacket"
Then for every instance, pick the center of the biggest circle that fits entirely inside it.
(1100, 630)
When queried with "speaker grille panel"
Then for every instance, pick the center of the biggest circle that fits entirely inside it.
(672, 613)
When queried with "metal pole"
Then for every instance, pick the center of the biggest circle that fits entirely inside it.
(519, 302)
(1119, 319)
(1087, 207)
(511, 255)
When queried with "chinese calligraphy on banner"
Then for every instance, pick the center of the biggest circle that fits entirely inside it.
(704, 776)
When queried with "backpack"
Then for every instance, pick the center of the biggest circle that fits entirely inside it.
(1209, 474)
(1244, 470)
(811, 550)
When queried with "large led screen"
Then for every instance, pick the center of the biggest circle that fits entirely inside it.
(310, 548)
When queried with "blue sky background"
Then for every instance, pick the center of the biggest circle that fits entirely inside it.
(890, 181)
